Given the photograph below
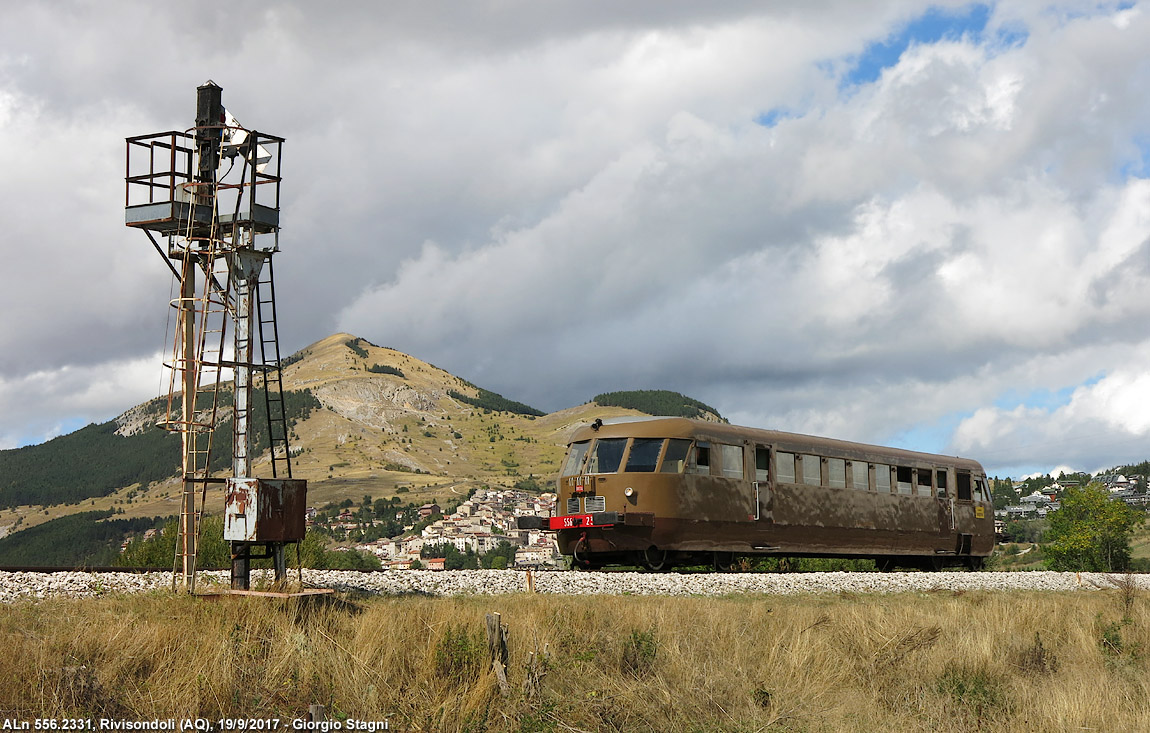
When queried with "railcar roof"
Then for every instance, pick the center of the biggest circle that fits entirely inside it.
(681, 427)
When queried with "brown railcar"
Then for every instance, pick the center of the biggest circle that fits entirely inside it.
(661, 492)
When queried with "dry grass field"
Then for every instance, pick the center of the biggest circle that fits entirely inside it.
(909, 662)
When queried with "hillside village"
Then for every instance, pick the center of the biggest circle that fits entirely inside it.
(1038, 503)
(477, 525)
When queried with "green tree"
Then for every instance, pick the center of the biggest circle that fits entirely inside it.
(312, 551)
(500, 557)
(1089, 531)
(382, 508)
(212, 553)
(1003, 492)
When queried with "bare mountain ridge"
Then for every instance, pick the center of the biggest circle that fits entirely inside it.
(376, 425)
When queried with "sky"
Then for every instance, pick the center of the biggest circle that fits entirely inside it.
(911, 225)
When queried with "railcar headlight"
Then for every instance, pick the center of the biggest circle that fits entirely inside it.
(628, 492)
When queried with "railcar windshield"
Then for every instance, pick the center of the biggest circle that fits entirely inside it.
(575, 456)
(606, 455)
(644, 454)
(675, 458)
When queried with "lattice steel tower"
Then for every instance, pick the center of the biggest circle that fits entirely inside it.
(213, 191)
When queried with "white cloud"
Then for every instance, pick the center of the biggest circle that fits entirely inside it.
(1103, 424)
(36, 405)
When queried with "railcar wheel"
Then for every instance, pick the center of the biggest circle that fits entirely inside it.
(976, 563)
(655, 559)
(723, 561)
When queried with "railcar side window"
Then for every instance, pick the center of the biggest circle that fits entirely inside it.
(762, 463)
(812, 470)
(905, 478)
(923, 482)
(860, 475)
(644, 454)
(882, 478)
(963, 488)
(837, 472)
(979, 490)
(700, 460)
(785, 468)
(676, 455)
(940, 481)
(575, 458)
(731, 460)
(606, 455)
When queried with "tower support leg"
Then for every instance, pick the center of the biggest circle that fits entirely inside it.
(241, 566)
(280, 560)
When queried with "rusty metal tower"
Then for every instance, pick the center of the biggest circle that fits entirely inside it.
(213, 192)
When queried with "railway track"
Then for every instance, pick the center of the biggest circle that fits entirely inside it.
(42, 583)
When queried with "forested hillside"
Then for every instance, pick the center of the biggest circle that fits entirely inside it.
(95, 461)
(658, 402)
(495, 402)
(87, 538)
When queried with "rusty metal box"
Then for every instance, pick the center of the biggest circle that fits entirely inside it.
(265, 510)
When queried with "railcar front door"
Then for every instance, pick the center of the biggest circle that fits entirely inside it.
(964, 513)
(945, 495)
(762, 483)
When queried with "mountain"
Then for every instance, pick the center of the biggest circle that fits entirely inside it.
(365, 420)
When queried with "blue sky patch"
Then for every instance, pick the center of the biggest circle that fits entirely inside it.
(67, 425)
(932, 26)
(930, 437)
(772, 117)
(1101, 8)
(1045, 399)
(1137, 166)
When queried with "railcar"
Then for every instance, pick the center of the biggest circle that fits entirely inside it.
(661, 492)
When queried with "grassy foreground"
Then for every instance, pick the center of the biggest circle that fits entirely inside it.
(926, 662)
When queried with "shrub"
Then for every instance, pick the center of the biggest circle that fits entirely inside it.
(458, 654)
(975, 688)
(354, 345)
(385, 369)
(639, 653)
(491, 401)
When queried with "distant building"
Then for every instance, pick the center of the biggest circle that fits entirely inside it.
(534, 556)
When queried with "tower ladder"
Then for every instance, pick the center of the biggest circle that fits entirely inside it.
(278, 437)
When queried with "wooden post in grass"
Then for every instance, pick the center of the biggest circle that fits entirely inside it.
(497, 646)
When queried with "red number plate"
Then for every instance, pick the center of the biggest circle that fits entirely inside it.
(573, 521)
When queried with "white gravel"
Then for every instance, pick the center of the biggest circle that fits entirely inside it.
(15, 586)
